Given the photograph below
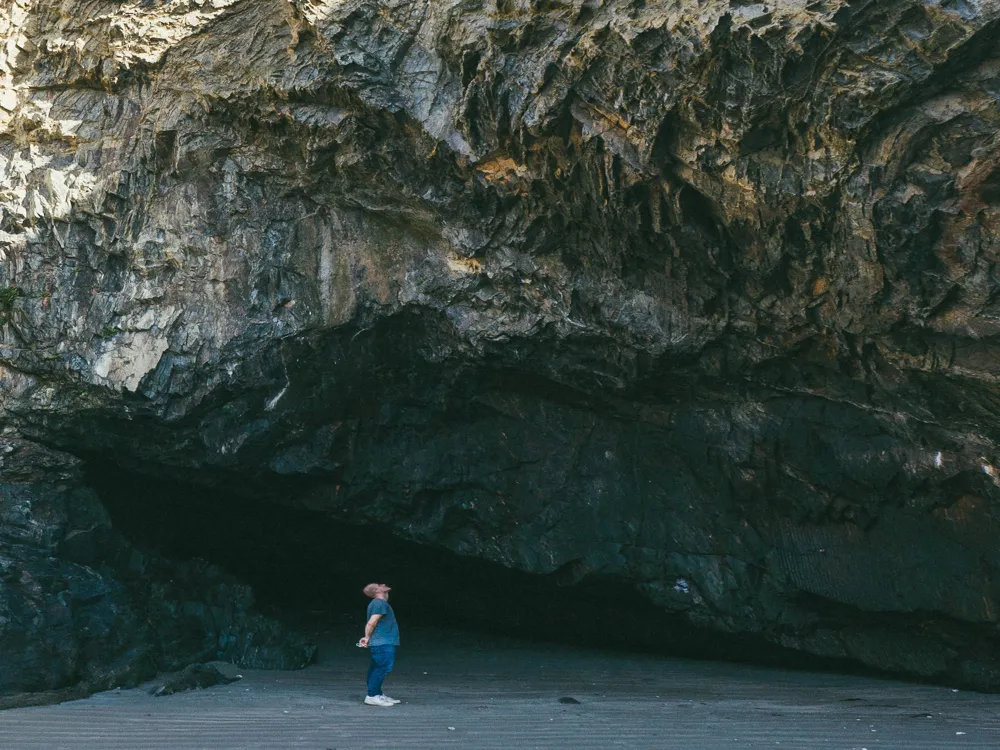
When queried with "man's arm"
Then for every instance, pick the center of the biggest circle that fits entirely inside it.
(369, 629)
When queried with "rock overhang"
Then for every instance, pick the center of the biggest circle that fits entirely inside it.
(610, 288)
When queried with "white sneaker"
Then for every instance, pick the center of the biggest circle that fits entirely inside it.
(377, 700)
(391, 700)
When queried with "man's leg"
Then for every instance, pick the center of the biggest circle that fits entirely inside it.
(390, 663)
(381, 664)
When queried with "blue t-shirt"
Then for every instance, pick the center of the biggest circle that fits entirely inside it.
(386, 631)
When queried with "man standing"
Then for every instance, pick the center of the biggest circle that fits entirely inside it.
(381, 639)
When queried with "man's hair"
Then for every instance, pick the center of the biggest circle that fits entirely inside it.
(370, 590)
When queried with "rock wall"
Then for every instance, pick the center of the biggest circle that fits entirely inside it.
(82, 610)
(702, 296)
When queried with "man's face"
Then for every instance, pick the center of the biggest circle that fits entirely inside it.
(383, 589)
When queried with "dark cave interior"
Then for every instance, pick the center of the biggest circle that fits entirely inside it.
(308, 571)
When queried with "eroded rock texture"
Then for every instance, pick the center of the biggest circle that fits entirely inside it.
(701, 295)
(80, 608)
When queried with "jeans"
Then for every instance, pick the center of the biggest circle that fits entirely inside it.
(383, 658)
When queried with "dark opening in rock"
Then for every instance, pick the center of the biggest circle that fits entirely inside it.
(308, 571)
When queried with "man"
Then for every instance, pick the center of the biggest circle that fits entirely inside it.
(381, 639)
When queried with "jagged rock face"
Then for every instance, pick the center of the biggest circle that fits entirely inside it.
(60, 620)
(702, 296)
(81, 608)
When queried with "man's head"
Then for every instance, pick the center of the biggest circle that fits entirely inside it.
(377, 591)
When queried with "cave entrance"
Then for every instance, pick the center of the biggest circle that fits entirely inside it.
(308, 570)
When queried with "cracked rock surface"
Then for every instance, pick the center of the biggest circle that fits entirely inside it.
(698, 295)
(82, 610)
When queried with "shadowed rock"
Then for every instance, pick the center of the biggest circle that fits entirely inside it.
(192, 677)
(700, 298)
(82, 610)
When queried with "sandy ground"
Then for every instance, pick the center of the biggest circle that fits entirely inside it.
(470, 691)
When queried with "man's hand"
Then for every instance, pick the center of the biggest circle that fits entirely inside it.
(364, 642)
